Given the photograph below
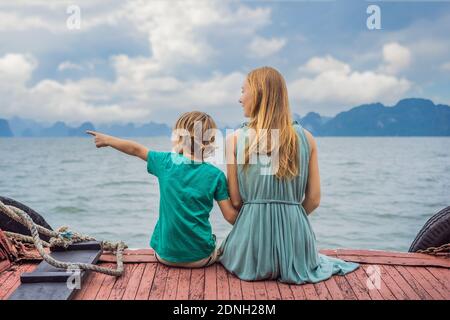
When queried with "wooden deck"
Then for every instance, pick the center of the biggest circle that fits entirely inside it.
(404, 276)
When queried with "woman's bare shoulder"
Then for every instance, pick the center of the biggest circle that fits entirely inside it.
(311, 140)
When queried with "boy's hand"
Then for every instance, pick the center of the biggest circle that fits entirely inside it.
(101, 140)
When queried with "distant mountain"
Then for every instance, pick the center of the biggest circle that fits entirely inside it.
(409, 117)
(81, 130)
(25, 127)
(60, 129)
(312, 122)
(5, 130)
(29, 128)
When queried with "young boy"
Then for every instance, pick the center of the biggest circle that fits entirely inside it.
(188, 187)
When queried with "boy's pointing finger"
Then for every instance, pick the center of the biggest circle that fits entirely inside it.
(93, 133)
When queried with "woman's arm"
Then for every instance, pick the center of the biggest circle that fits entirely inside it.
(126, 146)
(232, 177)
(312, 192)
(229, 212)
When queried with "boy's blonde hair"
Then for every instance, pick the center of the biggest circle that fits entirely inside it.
(195, 132)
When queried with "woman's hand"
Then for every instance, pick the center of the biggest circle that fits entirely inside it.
(101, 140)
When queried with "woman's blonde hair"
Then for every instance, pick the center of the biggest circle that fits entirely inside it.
(270, 110)
(195, 131)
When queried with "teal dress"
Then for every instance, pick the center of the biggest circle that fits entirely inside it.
(272, 237)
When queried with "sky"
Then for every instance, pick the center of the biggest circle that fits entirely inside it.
(118, 61)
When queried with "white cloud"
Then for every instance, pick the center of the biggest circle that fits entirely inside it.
(144, 88)
(52, 15)
(335, 83)
(178, 31)
(130, 97)
(10, 21)
(396, 58)
(16, 69)
(261, 47)
(317, 65)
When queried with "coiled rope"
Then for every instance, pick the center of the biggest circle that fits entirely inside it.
(61, 238)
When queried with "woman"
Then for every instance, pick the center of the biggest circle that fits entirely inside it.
(272, 237)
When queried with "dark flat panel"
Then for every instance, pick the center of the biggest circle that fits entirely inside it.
(82, 256)
(49, 283)
(88, 245)
(37, 277)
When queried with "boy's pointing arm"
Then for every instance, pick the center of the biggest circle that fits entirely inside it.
(126, 146)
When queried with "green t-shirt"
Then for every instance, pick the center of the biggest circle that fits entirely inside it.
(187, 193)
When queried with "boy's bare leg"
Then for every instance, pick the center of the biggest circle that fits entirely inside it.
(195, 264)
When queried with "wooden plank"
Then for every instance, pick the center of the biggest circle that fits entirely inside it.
(272, 290)
(134, 282)
(170, 292)
(380, 253)
(11, 280)
(362, 277)
(322, 291)
(129, 258)
(310, 291)
(442, 275)
(106, 288)
(4, 265)
(260, 290)
(298, 292)
(285, 291)
(425, 284)
(333, 289)
(197, 285)
(423, 294)
(345, 287)
(359, 288)
(384, 290)
(29, 267)
(146, 284)
(159, 283)
(223, 287)
(248, 291)
(393, 286)
(184, 281)
(12, 272)
(235, 287)
(435, 283)
(405, 261)
(121, 283)
(211, 282)
(86, 283)
(90, 287)
(406, 288)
